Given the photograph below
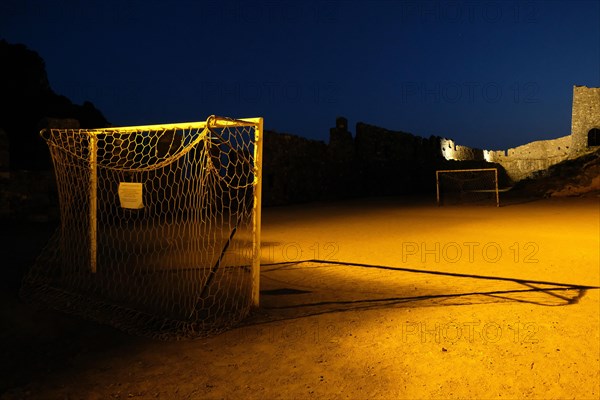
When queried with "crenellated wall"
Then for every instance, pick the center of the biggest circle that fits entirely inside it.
(375, 162)
(452, 151)
(520, 162)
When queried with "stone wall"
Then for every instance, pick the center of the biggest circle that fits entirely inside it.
(294, 169)
(452, 151)
(393, 162)
(376, 162)
(521, 162)
(341, 178)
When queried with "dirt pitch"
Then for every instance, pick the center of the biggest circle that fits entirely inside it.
(396, 304)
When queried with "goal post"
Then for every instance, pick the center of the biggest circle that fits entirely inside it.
(256, 215)
(467, 185)
(160, 226)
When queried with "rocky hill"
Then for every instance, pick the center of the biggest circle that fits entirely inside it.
(27, 101)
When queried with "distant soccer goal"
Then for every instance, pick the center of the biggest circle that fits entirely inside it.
(462, 186)
(160, 226)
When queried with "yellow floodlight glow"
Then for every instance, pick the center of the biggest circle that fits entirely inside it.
(487, 156)
(448, 149)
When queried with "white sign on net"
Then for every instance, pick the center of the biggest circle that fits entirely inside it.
(130, 195)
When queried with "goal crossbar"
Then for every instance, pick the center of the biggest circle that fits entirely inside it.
(212, 121)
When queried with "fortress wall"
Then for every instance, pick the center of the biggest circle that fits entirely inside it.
(393, 162)
(522, 161)
(452, 151)
(294, 169)
(519, 162)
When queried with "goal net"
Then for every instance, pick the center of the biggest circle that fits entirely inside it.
(160, 226)
(459, 186)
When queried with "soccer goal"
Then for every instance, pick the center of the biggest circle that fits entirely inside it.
(160, 226)
(457, 186)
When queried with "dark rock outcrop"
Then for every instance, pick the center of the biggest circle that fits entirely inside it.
(27, 100)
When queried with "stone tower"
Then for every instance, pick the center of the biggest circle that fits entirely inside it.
(585, 119)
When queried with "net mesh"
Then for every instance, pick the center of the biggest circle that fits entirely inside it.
(159, 226)
(472, 186)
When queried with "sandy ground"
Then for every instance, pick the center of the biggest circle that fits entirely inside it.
(399, 307)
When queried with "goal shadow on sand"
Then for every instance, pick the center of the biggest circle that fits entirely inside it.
(314, 287)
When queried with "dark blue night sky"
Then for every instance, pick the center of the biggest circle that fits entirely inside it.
(491, 74)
